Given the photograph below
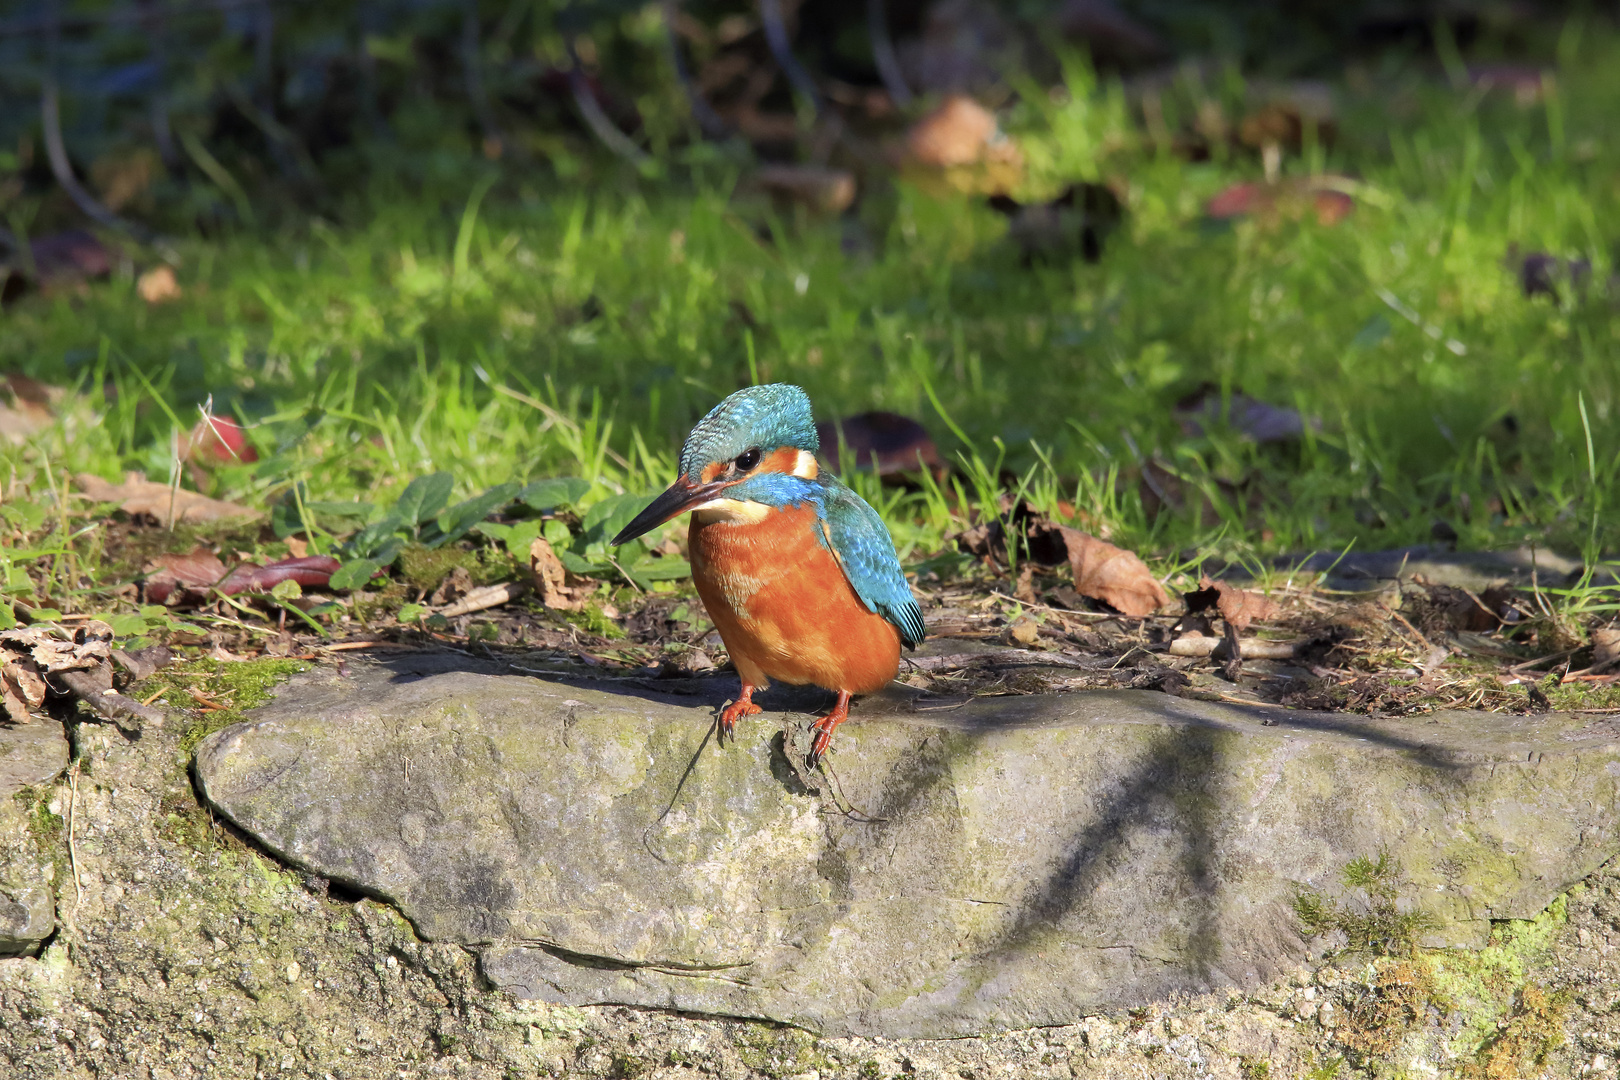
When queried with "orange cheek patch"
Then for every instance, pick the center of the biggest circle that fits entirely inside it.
(710, 472)
(783, 460)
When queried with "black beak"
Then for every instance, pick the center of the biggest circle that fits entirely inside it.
(681, 497)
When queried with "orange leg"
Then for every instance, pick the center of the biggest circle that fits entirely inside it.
(743, 706)
(825, 727)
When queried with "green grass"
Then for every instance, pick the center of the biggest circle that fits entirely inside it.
(509, 326)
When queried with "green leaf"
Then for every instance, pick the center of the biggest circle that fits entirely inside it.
(552, 493)
(575, 564)
(44, 614)
(556, 534)
(349, 510)
(410, 613)
(459, 519)
(127, 625)
(373, 540)
(287, 590)
(354, 574)
(668, 568)
(26, 516)
(607, 518)
(521, 537)
(320, 611)
(7, 618)
(423, 498)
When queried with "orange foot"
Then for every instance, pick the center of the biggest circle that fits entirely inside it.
(743, 706)
(825, 727)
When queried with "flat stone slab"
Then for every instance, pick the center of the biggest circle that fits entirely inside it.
(1360, 571)
(1016, 862)
(31, 754)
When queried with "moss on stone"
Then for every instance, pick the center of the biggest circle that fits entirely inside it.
(236, 686)
(1376, 924)
(1486, 991)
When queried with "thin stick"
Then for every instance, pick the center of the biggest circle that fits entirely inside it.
(776, 36)
(489, 596)
(888, 65)
(73, 847)
(1060, 611)
(708, 120)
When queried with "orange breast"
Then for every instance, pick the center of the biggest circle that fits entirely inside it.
(784, 608)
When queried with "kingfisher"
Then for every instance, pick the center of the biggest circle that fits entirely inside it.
(797, 571)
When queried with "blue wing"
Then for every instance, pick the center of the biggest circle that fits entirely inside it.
(858, 537)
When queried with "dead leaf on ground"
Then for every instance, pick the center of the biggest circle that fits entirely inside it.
(174, 578)
(70, 256)
(309, 571)
(1289, 199)
(1074, 224)
(1259, 420)
(1239, 607)
(1605, 647)
(29, 653)
(1283, 112)
(158, 285)
(1541, 274)
(962, 145)
(885, 441)
(551, 579)
(1527, 84)
(1113, 575)
(1110, 33)
(26, 406)
(456, 584)
(823, 191)
(138, 495)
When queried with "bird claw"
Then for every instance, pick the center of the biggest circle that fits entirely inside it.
(823, 740)
(732, 713)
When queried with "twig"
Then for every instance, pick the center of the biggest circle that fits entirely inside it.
(1060, 611)
(1421, 639)
(73, 846)
(1552, 658)
(473, 79)
(776, 36)
(50, 110)
(348, 646)
(888, 65)
(108, 703)
(591, 111)
(708, 120)
(1249, 648)
(489, 596)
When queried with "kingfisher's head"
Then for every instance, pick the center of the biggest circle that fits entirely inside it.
(749, 436)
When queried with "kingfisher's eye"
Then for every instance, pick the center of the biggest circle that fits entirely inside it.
(748, 459)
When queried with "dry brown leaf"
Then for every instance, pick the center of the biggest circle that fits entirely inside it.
(960, 146)
(138, 495)
(158, 285)
(1112, 575)
(26, 406)
(1288, 199)
(180, 576)
(824, 191)
(29, 653)
(59, 648)
(550, 579)
(22, 689)
(958, 132)
(1237, 606)
(1605, 648)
